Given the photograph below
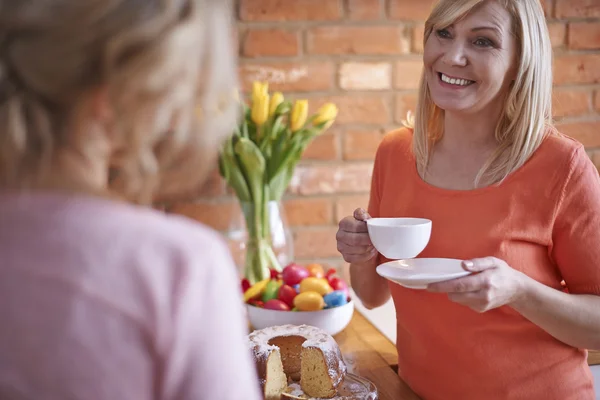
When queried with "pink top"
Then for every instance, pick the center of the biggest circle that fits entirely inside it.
(105, 300)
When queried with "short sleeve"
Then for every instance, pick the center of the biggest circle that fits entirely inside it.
(576, 230)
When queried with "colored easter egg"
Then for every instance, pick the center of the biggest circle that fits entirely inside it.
(271, 290)
(309, 301)
(274, 273)
(297, 287)
(275, 304)
(293, 274)
(319, 285)
(287, 294)
(335, 299)
(256, 303)
(337, 283)
(245, 285)
(255, 290)
(315, 270)
(330, 272)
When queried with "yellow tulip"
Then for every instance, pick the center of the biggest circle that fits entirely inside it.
(326, 114)
(299, 115)
(260, 109)
(259, 88)
(276, 100)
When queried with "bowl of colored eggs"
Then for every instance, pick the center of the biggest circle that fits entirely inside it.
(300, 295)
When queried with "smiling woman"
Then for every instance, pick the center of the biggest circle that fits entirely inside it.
(508, 195)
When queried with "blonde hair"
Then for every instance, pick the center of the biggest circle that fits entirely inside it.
(527, 114)
(158, 60)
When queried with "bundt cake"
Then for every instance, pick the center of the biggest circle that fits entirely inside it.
(297, 353)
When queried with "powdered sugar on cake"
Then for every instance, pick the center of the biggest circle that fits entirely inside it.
(315, 338)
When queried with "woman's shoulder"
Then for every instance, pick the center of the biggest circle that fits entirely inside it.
(559, 149)
(395, 143)
(173, 231)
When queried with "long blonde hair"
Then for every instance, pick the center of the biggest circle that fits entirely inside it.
(527, 114)
(159, 60)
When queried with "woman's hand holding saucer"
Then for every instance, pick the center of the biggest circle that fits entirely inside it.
(493, 284)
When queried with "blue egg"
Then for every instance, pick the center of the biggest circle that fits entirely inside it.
(297, 287)
(335, 299)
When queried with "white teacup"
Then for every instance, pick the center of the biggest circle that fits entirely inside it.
(399, 238)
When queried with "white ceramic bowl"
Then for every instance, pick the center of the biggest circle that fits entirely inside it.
(331, 320)
(399, 238)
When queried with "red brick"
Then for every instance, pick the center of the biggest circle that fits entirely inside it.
(365, 76)
(597, 101)
(568, 103)
(587, 132)
(418, 37)
(315, 243)
(345, 205)
(304, 212)
(410, 9)
(323, 147)
(547, 5)
(331, 179)
(405, 102)
(374, 40)
(365, 10)
(215, 214)
(293, 77)
(286, 10)
(557, 33)
(577, 9)
(577, 68)
(584, 35)
(270, 42)
(363, 108)
(362, 144)
(408, 74)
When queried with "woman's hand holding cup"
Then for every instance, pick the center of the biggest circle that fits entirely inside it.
(353, 240)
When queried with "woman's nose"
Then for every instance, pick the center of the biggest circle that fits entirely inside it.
(454, 54)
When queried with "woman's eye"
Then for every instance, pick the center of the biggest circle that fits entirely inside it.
(483, 42)
(443, 33)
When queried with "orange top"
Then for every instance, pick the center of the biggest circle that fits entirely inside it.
(543, 220)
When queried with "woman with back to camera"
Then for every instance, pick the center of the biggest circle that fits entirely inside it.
(103, 299)
(509, 195)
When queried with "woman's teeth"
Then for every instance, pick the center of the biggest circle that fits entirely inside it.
(458, 82)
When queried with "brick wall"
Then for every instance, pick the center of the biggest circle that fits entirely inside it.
(365, 55)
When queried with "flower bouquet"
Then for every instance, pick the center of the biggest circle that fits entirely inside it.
(258, 161)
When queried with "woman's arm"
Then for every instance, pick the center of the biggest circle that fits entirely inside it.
(571, 318)
(372, 290)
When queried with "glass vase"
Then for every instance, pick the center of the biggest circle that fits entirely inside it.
(260, 239)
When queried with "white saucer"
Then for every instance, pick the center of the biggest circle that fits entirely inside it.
(417, 273)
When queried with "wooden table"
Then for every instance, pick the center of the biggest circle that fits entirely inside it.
(594, 357)
(373, 356)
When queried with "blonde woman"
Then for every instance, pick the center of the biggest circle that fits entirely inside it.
(101, 298)
(519, 202)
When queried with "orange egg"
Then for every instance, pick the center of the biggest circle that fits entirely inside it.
(319, 285)
(316, 270)
(309, 301)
